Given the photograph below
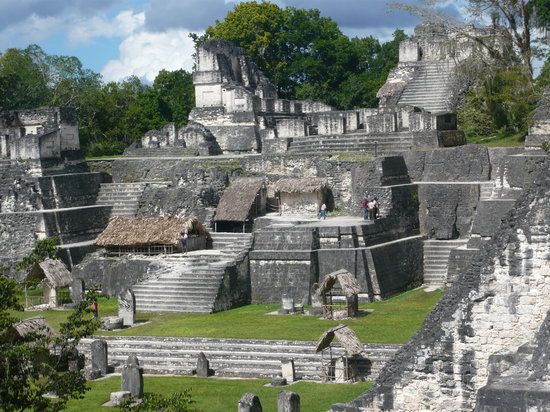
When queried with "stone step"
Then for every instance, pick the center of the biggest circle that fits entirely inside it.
(228, 357)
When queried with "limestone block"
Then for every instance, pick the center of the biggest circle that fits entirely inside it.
(291, 127)
(202, 365)
(117, 398)
(132, 377)
(409, 51)
(288, 401)
(287, 370)
(249, 403)
(77, 290)
(127, 308)
(98, 356)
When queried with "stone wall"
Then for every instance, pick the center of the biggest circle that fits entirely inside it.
(18, 234)
(446, 211)
(348, 180)
(113, 275)
(498, 303)
(70, 190)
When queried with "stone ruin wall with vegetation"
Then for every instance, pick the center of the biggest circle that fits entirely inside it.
(499, 303)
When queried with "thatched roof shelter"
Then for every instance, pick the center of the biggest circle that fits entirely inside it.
(345, 335)
(143, 231)
(347, 281)
(36, 324)
(238, 199)
(53, 270)
(301, 185)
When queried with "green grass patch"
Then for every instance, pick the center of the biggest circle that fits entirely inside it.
(505, 139)
(222, 395)
(391, 321)
(103, 157)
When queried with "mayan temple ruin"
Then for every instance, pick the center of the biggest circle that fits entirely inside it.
(254, 170)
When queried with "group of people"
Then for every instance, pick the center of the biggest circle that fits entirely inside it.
(371, 208)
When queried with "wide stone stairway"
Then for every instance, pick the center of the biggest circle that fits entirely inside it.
(191, 283)
(230, 357)
(430, 87)
(436, 260)
(375, 144)
(124, 197)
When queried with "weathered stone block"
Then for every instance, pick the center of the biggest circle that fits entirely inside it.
(287, 370)
(127, 308)
(98, 356)
(288, 401)
(249, 403)
(132, 377)
(203, 365)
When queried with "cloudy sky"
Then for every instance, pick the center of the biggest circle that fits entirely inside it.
(119, 38)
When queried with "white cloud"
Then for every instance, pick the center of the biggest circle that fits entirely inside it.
(123, 25)
(145, 53)
(33, 29)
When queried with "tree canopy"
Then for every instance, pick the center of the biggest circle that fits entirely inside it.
(306, 55)
(112, 115)
(33, 366)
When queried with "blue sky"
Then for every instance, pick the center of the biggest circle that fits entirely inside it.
(119, 38)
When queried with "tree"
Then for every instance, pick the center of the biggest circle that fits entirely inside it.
(305, 55)
(34, 365)
(23, 78)
(177, 94)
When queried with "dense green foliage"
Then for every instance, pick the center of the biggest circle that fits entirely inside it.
(34, 365)
(306, 56)
(112, 115)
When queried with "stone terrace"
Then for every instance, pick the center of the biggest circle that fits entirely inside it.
(230, 357)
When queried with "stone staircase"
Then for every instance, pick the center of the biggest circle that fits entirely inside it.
(230, 357)
(430, 88)
(123, 197)
(436, 260)
(191, 283)
(386, 144)
(165, 151)
(486, 190)
(209, 215)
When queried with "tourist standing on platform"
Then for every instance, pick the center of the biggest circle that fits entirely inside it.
(376, 208)
(370, 208)
(323, 212)
(183, 241)
(365, 204)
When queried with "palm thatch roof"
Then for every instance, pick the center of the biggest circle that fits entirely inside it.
(347, 281)
(238, 199)
(345, 335)
(301, 185)
(145, 231)
(53, 270)
(36, 324)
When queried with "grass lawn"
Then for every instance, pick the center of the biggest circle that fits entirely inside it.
(500, 140)
(222, 395)
(391, 321)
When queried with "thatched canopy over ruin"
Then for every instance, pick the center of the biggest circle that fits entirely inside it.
(238, 199)
(347, 281)
(143, 231)
(36, 324)
(303, 185)
(345, 335)
(53, 270)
